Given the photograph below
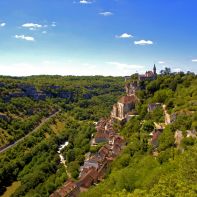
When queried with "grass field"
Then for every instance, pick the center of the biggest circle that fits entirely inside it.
(10, 190)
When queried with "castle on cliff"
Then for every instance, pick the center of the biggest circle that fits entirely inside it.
(124, 109)
(149, 75)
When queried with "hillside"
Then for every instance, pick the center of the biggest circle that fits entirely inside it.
(158, 158)
(155, 164)
(25, 103)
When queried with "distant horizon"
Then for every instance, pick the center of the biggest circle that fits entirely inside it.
(96, 37)
(59, 75)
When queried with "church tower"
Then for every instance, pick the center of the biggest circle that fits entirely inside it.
(154, 70)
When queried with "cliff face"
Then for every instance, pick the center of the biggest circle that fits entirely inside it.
(126, 104)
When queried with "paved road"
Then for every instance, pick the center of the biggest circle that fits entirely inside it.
(36, 129)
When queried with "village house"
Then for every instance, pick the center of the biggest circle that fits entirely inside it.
(116, 150)
(109, 126)
(101, 137)
(100, 126)
(88, 179)
(119, 140)
(90, 163)
(95, 166)
(104, 152)
(70, 189)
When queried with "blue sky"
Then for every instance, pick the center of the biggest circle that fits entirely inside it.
(96, 37)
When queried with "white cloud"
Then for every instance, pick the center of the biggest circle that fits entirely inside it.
(126, 69)
(161, 62)
(53, 24)
(44, 32)
(124, 35)
(32, 26)
(85, 2)
(2, 24)
(194, 60)
(23, 37)
(67, 67)
(106, 13)
(143, 42)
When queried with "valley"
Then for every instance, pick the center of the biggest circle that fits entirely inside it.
(111, 142)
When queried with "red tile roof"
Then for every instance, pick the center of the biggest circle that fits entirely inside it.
(118, 140)
(68, 187)
(90, 178)
(103, 152)
(101, 135)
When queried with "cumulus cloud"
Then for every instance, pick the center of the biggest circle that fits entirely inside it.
(32, 26)
(23, 37)
(194, 60)
(124, 35)
(106, 13)
(2, 24)
(143, 42)
(85, 2)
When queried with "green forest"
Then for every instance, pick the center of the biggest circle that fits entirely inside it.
(34, 163)
(142, 169)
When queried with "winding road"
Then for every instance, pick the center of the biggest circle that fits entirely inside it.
(36, 129)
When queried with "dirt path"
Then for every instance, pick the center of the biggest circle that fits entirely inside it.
(36, 129)
(167, 116)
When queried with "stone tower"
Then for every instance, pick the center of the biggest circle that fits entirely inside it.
(154, 70)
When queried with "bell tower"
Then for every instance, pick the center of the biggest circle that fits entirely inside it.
(154, 70)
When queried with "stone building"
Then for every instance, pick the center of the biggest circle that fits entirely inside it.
(125, 105)
(69, 189)
(149, 75)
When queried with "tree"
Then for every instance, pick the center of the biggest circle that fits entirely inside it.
(166, 139)
(148, 126)
(166, 71)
